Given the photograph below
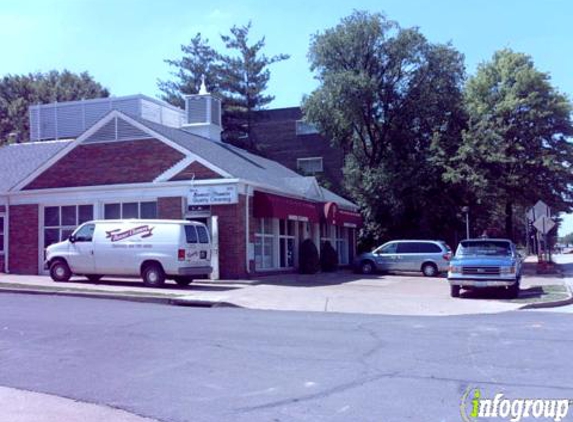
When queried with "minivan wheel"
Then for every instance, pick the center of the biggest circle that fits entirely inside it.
(60, 271)
(455, 291)
(429, 270)
(367, 267)
(153, 275)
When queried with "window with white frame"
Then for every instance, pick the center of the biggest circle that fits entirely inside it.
(305, 128)
(342, 244)
(264, 244)
(2, 236)
(61, 221)
(309, 165)
(286, 243)
(124, 210)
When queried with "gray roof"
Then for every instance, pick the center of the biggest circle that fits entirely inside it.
(247, 166)
(18, 161)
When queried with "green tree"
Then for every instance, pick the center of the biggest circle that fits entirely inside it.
(199, 60)
(393, 102)
(516, 148)
(239, 76)
(17, 92)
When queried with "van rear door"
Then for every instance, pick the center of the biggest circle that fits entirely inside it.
(198, 245)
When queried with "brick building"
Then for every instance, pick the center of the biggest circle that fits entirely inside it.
(137, 157)
(282, 135)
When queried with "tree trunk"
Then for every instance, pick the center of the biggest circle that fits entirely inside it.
(509, 220)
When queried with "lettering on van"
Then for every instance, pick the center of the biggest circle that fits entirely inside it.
(117, 235)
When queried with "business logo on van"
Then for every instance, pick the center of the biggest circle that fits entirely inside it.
(117, 235)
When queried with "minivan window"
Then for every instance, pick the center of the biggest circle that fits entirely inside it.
(429, 248)
(191, 234)
(203, 236)
(391, 248)
(407, 247)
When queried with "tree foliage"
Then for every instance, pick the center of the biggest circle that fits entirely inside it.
(239, 75)
(515, 150)
(17, 92)
(393, 101)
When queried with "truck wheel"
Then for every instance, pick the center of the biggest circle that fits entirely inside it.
(455, 291)
(94, 278)
(512, 291)
(153, 275)
(60, 271)
(429, 270)
(183, 281)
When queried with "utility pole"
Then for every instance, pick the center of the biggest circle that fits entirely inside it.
(466, 211)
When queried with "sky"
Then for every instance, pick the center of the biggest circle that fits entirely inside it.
(123, 43)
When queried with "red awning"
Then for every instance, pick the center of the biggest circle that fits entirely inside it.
(335, 216)
(267, 205)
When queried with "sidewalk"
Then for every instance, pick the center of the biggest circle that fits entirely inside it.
(27, 406)
(410, 294)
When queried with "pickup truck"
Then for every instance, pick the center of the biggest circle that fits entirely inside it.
(480, 263)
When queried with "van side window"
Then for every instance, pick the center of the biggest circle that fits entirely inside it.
(407, 247)
(391, 248)
(191, 234)
(203, 236)
(85, 234)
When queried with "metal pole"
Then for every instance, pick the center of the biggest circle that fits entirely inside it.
(467, 224)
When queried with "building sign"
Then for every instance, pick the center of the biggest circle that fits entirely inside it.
(213, 195)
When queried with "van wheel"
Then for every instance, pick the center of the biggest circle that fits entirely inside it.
(429, 270)
(60, 271)
(94, 278)
(455, 291)
(153, 275)
(183, 281)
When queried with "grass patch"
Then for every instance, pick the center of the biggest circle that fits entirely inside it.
(542, 294)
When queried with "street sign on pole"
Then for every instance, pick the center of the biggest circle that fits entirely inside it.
(544, 224)
(541, 209)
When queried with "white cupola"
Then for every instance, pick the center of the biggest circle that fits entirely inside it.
(203, 114)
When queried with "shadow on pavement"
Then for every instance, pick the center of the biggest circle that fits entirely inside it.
(169, 285)
(316, 280)
(534, 292)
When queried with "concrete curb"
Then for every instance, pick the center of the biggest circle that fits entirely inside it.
(176, 301)
(556, 303)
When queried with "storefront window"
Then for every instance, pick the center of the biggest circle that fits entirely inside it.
(60, 222)
(264, 244)
(117, 211)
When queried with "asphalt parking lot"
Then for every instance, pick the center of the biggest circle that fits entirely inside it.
(343, 291)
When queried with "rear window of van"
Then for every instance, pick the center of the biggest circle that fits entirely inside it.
(202, 234)
(191, 234)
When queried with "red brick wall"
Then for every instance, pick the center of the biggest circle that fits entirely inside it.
(170, 208)
(23, 238)
(109, 163)
(232, 247)
(196, 171)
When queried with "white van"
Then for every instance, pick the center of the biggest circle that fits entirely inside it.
(154, 250)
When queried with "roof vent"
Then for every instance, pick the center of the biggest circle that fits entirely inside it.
(203, 114)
